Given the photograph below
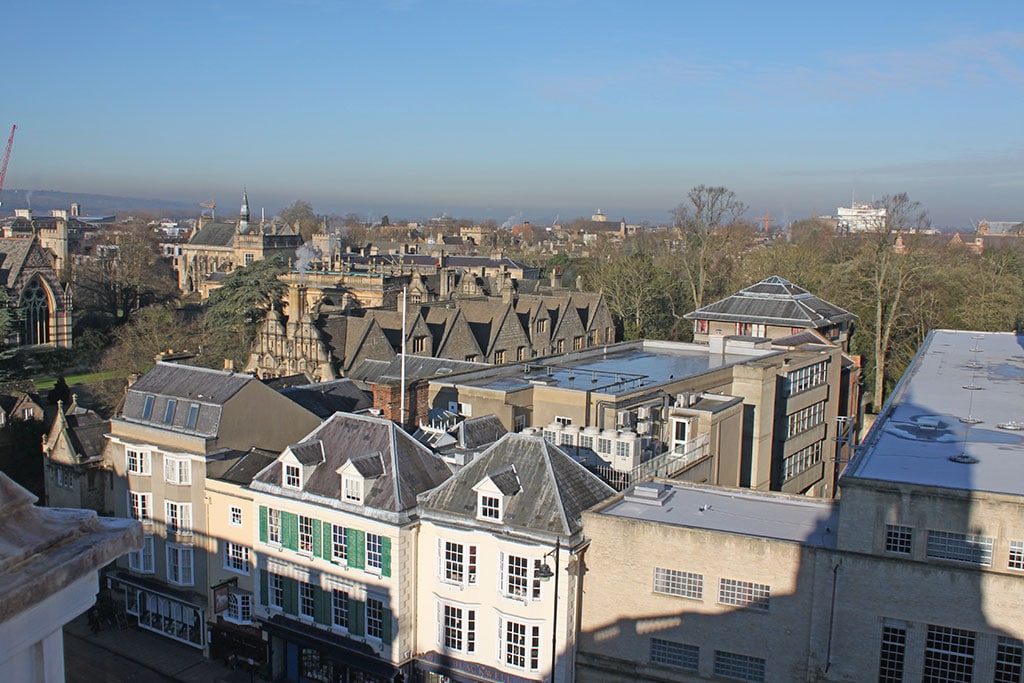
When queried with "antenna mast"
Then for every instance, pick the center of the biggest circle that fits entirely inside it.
(7, 157)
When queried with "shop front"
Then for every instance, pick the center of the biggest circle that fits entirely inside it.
(303, 653)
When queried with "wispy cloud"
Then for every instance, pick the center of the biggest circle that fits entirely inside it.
(979, 61)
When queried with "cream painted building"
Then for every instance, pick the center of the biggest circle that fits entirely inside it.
(916, 573)
(499, 567)
(336, 550)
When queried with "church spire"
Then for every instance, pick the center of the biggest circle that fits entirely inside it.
(243, 218)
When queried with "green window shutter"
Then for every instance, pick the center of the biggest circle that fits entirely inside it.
(318, 546)
(356, 617)
(263, 523)
(291, 596)
(386, 627)
(328, 541)
(290, 530)
(323, 606)
(356, 548)
(385, 551)
(264, 580)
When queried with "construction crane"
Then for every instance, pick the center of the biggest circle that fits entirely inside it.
(212, 206)
(7, 157)
(767, 220)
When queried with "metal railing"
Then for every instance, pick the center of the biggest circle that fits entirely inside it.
(667, 465)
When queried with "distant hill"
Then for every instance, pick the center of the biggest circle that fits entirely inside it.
(42, 201)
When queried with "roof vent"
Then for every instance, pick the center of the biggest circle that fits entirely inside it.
(649, 493)
(963, 459)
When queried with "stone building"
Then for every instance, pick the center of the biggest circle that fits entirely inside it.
(74, 474)
(216, 248)
(43, 304)
(326, 344)
(916, 573)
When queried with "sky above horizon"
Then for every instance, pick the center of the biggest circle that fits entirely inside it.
(494, 109)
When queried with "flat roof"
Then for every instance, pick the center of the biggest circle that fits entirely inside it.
(617, 369)
(750, 513)
(955, 420)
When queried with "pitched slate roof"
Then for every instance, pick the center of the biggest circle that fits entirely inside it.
(240, 468)
(323, 399)
(402, 467)
(554, 488)
(774, 301)
(186, 384)
(215, 235)
(13, 252)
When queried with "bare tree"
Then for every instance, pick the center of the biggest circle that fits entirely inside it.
(891, 264)
(699, 221)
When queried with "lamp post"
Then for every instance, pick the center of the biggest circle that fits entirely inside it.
(544, 573)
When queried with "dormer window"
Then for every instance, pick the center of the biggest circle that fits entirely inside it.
(489, 507)
(292, 477)
(352, 490)
(494, 492)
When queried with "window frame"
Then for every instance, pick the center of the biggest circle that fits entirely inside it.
(143, 462)
(137, 559)
(180, 567)
(140, 506)
(678, 583)
(177, 470)
(177, 518)
(375, 550)
(744, 594)
(237, 558)
(291, 476)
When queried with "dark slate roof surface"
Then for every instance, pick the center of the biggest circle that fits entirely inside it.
(323, 399)
(215, 235)
(13, 252)
(407, 467)
(240, 469)
(774, 301)
(555, 488)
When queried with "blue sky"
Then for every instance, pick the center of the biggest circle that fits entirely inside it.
(494, 108)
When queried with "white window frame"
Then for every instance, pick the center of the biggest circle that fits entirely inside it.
(678, 583)
(746, 594)
(179, 571)
(177, 470)
(275, 591)
(142, 560)
(340, 605)
(457, 563)
(376, 542)
(236, 558)
(239, 610)
(291, 477)
(178, 518)
(138, 461)
(515, 576)
(352, 489)
(489, 508)
(456, 627)
(235, 516)
(339, 542)
(140, 506)
(375, 604)
(307, 601)
(273, 526)
(519, 643)
(1015, 556)
(305, 539)
(971, 549)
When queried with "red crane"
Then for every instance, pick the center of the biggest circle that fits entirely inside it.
(7, 156)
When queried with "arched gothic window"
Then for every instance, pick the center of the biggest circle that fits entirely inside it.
(35, 314)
